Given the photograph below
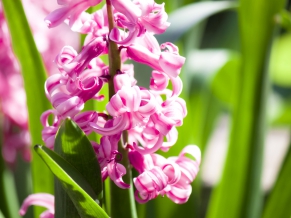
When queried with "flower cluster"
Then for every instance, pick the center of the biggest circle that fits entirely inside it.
(13, 111)
(148, 115)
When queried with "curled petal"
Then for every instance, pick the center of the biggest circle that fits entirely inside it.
(171, 63)
(155, 17)
(105, 149)
(179, 195)
(83, 120)
(159, 81)
(40, 199)
(193, 150)
(126, 7)
(121, 80)
(52, 83)
(119, 126)
(140, 162)
(48, 135)
(66, 55)
(89, 87)
(67, 106)
(172, 138)
(90, 51)
(45, 115)
(72, 10)
(142, 55)
(115, 172)
(148, 150)
(172, 170)
(149, 184)
(162, 123)
(56, 17)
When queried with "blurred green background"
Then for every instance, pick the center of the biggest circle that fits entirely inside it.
(237, 85)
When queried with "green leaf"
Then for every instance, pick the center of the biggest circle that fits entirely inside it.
(223, 82)
(73, 183)
(284, 19)
(72, 144)
(186, 17)
(34, 77)
(9, 203)
(283, 116)
(238, 194)
(277, 204)
(280, 68)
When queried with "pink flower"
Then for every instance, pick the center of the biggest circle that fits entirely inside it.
(40, 199)
(108, 157)
(160, 176)
(150, 116)
(132, 106)
(71, 10)
(138, 17)
(168, 61)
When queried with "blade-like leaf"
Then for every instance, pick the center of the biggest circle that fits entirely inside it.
(72, 144)
(277, 204)
(239, 193)
(34, 77)
(73, 182)
(8, 203)
(186, 17)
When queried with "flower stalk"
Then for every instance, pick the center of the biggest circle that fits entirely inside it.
(122, 200)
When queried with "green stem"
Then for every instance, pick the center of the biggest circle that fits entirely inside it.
(122, 200)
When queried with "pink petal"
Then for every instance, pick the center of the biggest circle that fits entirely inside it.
(116, 171)
(171, 63)
(57, 17)
(40, 199)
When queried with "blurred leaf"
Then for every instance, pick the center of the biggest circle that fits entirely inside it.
(239, 193)
(73, 145)
(284, 19)
(73, 182)
(280, 68)
(283, 114)
(34, 77)
(23, 185)
(182, 19)
(277, 204)
(8, 204)
(223, 82)
(1, 214)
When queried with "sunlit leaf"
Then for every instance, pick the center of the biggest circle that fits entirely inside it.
(74, 184)
(72, 144)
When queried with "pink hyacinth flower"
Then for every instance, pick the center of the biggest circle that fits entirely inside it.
(147, 50)
(71, 10)
(161, 176)
(138, 17)
(108, 157)
(40, 199)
